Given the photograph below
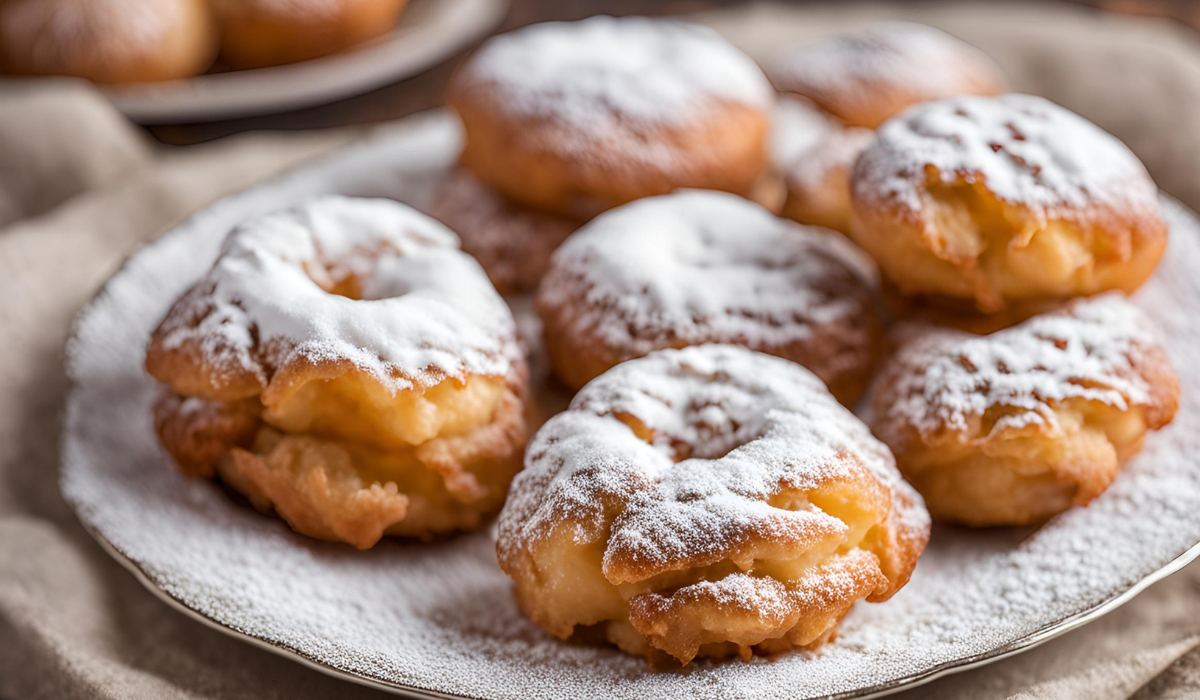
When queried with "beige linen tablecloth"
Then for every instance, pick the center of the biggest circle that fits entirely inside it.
(79, 189)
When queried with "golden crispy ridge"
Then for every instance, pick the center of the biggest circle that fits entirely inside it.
(654, 513)
(1013, 428)
(340, 487)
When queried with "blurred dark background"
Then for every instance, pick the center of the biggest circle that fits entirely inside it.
(424, 91)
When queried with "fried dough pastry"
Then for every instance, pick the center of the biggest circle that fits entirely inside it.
(707, 502)
(1018, 426)
(346, 366)
(814, 153)
(107, 41)
(513, 243)
(257, 33)
(996, 203)
(578, 117)
(708, 267)
(866, 77)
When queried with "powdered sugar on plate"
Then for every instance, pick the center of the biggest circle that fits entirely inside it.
(1026, 150)
(441, 617)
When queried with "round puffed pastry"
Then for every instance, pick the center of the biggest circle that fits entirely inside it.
(346, 366)
(814, 153)
(512, 242)
(698, 267)
(994, 204)
(866, 77)
(578, 117)
(706, 502)
(257, 33)
(1015, 427)
(108, 41)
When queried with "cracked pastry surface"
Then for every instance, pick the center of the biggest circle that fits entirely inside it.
(990, 204)
(345, 365)
(708, 267)
(1015, 427)
(866, 77)
(577, 117)
(709, 501)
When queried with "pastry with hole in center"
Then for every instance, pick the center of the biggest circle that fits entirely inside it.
(706, 502)
(344, 365)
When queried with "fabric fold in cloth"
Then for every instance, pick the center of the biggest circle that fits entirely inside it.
(80, 189)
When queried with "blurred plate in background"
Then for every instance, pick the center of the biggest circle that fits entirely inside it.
(428, 32)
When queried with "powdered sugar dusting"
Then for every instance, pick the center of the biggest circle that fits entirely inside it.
(1026, 150)
(441, 617)
(426, 310)
(913, 59)
(696, 266)
(602, 71)
(731, 429)
(946, 378)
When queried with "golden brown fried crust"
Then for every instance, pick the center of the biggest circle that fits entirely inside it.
(550, 167)
(579, 535)
(818, 184)
(102, 41)
(1022, 258)
(198, 432)
(842, 352)
(256, 33)
(340, 491)
(982, 474)
(513, 243)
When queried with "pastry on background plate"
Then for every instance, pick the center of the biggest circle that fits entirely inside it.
(345, 365)
(698, 267)
(257, 33)
(706, 502)
(1015, 427)
(108, 41)
(1002, 204)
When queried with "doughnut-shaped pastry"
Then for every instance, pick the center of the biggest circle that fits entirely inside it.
(257, 33)
(707, 267)
(1004, 201)
(708, 501)
(108, 41)
(814, 153)
(866, 77)
(1015, 427)
(578, 117)
(513, 243)
(345, 365)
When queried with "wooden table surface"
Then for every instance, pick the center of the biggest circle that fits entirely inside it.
(425, 91)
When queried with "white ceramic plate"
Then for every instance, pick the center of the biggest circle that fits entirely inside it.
(436, 620)
(428, 31)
